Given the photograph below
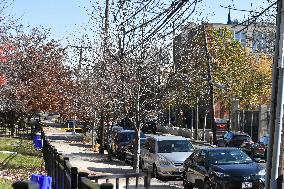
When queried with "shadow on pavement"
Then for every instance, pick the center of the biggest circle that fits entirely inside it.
(111, 170)
(81, 145)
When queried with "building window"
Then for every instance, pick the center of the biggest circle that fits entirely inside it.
(262, 42)
(240, 37)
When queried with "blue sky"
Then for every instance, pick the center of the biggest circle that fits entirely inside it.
(65, 17)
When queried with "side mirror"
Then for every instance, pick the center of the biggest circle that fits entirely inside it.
(151, 150)
(257, 160)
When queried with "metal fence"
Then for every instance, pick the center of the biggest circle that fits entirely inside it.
(248, 121)
(23, 131)
(64, 176)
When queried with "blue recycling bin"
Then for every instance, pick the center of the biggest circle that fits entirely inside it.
(43, 181)
(37, 141)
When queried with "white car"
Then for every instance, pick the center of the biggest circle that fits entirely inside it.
(164, 155)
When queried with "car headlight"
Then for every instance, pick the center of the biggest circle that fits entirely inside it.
(262, 172)
(220, 174)
(164, 161)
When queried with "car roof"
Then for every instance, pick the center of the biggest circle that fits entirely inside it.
(221, 149)
(126, 131)
(168, 137)
(238, 133)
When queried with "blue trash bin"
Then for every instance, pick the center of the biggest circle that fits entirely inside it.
(37, 141)
(38, 144)
(43, 181)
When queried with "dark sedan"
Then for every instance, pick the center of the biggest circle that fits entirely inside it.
(121, 139)
(222, 168)
(257, 150)
(130, 150)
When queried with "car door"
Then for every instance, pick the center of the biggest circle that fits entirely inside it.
(129, 151)
(145, 153)
(190, 167)
(152, 155)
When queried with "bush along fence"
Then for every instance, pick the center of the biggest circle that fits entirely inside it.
(64, 176)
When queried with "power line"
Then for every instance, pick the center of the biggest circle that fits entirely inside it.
(242, 10)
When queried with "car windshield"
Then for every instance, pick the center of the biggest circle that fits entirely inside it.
(242, 138)
(228, 157)
(169, 146)
(129, 136)
(142, 141)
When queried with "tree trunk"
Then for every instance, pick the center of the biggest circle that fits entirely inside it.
(136, 164)
(102, 133)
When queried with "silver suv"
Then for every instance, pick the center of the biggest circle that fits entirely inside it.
(165, 155)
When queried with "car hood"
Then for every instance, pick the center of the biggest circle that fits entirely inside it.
(178, 157)
(239, 169)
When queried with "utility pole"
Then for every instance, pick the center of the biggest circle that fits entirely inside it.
(210, 83)
(274, 162)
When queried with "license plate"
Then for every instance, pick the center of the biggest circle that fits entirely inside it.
(246, 185)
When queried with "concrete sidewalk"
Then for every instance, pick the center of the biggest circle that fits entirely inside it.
(81, 156)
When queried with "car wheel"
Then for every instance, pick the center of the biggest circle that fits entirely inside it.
(142, 166)
(126, 160)
(208, 184)
(155, 172)
(186, 184)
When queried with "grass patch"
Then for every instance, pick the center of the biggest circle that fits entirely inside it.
(5, 183)
(21, 146)
(20, 165)
(19, 161)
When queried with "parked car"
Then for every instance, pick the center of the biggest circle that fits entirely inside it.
(222, 168)
(121, 139)
(164, 155)
(259, 150)
(130, 148)
(150, 126)
(234, 139)
(222, 124)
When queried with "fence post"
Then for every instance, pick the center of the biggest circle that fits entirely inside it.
(106, 186)
(59, 178)
(137, 181)
(55, 153)
(65, 159)
(117, 183)
(147, 179)
(127, 182)
(80, 175)
(74, 177)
